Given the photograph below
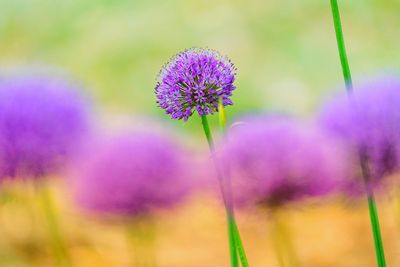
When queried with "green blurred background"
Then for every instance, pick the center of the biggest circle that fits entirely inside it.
(286, 55)
(285, 50)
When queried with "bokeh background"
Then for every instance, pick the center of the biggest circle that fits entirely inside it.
(286, 56)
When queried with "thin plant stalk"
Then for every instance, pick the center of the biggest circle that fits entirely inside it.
(238, 241)
(240, 248)
(141, 239)
(380, 255)
(56, 238)
(229, 212)
(221, 116)
(279, 250)
(373, 212)
(282, 240)
(341, 46)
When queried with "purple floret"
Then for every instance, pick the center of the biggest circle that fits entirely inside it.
(276, 160)
(132, 174)
(42, 122)
(194, 80)
(370, 123)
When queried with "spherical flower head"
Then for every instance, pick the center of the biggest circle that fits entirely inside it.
(42, 121)
(369, 121)
(195, 80)
(275, 161)
(132, 174)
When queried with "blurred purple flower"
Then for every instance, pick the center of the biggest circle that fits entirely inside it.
(42, 121)
(194, 80)
(132, 174)
(370, 123)
(276, 160)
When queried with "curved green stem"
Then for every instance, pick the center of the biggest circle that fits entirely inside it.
(229, 214)
(207, 132)
(363, 163)
(240, 248)
(221, 116)
(284, 247)
(239, 245)
(142, 241)
(57, 241)
(341, 46)
(373, 214)
(232, 239)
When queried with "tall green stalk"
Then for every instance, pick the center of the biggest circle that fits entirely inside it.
(285, 252)
(142, 241)
(229, 213)
(341, 46)
(239, 245)
(240, 248)
(373, 213)
(55, 235)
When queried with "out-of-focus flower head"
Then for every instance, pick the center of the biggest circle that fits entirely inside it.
(43, 120)
(369, 121)
(132, 174)
(194, 80)
(277, 160)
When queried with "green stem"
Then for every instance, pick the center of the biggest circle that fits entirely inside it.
(280, 257)
(57, 241)
(349, 87)
(341, 46)
(373, 214)
(232, 239)
(230, 217)
(240, 247)
(285, 252)
(207, 132)
(239, 244)
(221, 116)
(141, 239)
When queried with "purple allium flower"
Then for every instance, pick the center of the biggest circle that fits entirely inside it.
(370, 123)
(42, 121)
(132, 174)
(194, 80)
(276, 160)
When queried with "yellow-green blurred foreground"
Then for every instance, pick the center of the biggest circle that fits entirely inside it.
(324, 235)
